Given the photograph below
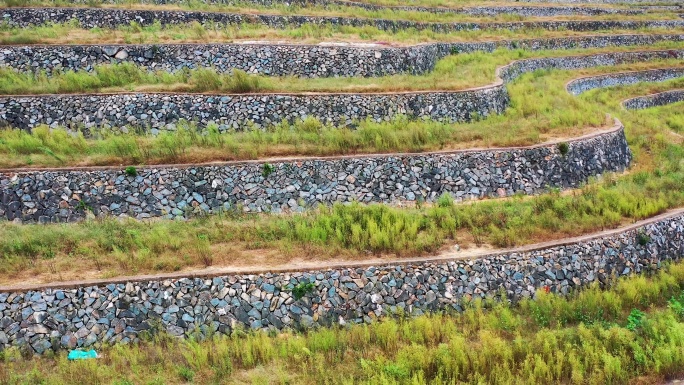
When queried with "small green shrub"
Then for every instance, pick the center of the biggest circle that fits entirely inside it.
(204, 250)
(445, 200)
(186, 374)
(563, 148)
(267, 170)
(131, 171)
(302, 289)
(635, 319)
(396, 371)
(83, 206)
(642, 238)
(241, 82)
(676, 304)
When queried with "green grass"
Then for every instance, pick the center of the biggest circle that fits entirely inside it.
(71, 33)
(588, 337)
(453, 72)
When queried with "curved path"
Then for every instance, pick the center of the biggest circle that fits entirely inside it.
(115, 17)
(275, 59)
(158, 111)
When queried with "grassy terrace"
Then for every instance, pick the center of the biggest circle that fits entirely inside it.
(455, 72)
(541, 110)
(628, 331)
(540, 107)
(631, 333)
(72, 33)
(344, 11)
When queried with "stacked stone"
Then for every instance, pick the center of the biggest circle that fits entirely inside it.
(659, 99)
(41, 320)
(112, 18)
(60, 196)
(266, 59)
(154, 112)
(579, 86)
(289, 59)
(520, 67)
(525, 11)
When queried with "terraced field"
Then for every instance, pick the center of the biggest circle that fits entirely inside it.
(199, 169)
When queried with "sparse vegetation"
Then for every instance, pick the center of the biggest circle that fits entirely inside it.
(642, 238)
(342, 231)
(131, 171)
(563, 148)
(302, 289)
(267, 169)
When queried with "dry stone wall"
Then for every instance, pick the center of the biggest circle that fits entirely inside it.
(659, 99)
(579, 86)
(112, 18)
(292, 185)
(493, 10)
(289, 59)
(155, 112)
(56, 318)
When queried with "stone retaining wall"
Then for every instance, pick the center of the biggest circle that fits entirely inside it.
(292, 185)
(155, 112)
(112, 18)
(288, 59)
(659, 99)
(645, 3)
(45, 319)
(525, 11)
(581, 85)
